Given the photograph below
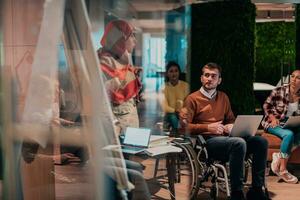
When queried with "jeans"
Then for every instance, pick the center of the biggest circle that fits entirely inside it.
(172, 119)
(289, 138)
(234, 150)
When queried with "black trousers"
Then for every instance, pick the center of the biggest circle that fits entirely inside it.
(234, 150)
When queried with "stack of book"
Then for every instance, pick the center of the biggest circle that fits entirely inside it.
(158, 140)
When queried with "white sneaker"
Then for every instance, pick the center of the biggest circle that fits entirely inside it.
(275, 163)
(288, 177)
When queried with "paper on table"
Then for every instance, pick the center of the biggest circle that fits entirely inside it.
(162, 150)
(158, 140)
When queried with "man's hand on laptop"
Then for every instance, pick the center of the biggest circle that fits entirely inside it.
(228, 128)
(216, 128)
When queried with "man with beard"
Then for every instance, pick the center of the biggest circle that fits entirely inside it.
(208, 112)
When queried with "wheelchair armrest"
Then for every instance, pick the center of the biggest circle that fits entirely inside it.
(200, 140)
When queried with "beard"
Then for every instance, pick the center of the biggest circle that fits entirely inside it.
(209, 86)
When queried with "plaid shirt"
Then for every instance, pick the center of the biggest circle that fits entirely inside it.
(276, 104)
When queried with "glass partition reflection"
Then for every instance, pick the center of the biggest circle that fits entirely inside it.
(77, 73)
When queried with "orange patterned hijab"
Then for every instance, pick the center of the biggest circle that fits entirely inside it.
(113, 42)
(115, 34)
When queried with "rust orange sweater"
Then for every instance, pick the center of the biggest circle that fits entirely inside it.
(203, 111)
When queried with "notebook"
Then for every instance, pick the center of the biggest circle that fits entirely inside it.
(246, 125)
(136, 140)
(292, 122)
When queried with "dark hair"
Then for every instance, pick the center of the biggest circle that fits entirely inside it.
(168, 66)
(211, 66)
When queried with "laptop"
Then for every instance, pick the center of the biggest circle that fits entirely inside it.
(292, 122)
(136, 140)
(246, 125)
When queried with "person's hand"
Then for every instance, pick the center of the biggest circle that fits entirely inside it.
(273, 121)
(177, 111)
(183, 115)
(216, 128)
(114, 84)
(137, 70)
(55, 121)
(60, 121)
(228, 128)
(66, 122)
(296, 98)
(178, 106)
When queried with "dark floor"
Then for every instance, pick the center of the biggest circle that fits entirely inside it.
(72, 182)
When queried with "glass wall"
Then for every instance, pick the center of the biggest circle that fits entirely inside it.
(61, 138)
(77, 73)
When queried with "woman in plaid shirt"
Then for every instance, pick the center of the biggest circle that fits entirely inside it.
(282, 103)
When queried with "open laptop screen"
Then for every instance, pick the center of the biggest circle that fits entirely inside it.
(246, 125)
(292, 122)
(137, 136)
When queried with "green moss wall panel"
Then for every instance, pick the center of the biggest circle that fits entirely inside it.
(297, 36)
(223, 32)
(275, 50)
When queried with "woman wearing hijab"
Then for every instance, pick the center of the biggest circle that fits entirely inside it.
(121, 77)
(122, 83)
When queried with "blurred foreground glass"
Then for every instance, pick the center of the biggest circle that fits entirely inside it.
(34, 134)
(56, 110)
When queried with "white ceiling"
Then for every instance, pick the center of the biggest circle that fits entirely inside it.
(154, 5)
(149, 14)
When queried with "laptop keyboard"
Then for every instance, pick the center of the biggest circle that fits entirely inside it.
(132, 148)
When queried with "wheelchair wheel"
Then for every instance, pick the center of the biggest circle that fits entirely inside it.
(188, 182)
(221, 184)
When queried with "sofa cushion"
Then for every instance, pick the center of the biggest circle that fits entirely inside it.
(274, 141)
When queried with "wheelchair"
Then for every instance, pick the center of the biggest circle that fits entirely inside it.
(205, 169)
(193, 168)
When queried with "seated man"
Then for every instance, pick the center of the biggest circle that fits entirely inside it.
(208, 112)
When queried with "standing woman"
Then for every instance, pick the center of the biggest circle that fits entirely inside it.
(121, 77)
(122, 83)
(282, 103)
(174, 92)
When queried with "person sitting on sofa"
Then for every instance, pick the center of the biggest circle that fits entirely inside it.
(282, 103)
